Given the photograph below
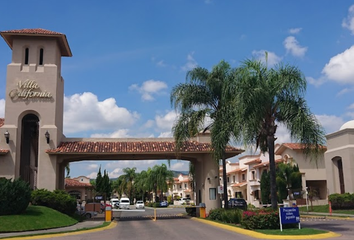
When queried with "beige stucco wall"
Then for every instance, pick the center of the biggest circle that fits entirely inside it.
(340, 145)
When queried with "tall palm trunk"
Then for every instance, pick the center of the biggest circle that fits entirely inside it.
(224, 177)
(273, 183)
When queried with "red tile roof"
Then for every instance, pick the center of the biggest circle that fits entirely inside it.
(38, 32)
(294, 146)
(33, 31)
(241, 184)
(253, 161)
(131, 147)
(75, 183)
(266, 164)
(237, 170)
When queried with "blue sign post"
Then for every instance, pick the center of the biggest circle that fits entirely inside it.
(288, 215)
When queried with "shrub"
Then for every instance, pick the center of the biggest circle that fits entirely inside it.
(260, 219)
(14, 196)
(58, 200)
(232, 215)
(342, 201)
(191, 211)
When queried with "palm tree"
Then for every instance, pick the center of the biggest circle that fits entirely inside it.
(266, 97)
(161, 176)
(129, 177)
(141, 183)
(202, 98)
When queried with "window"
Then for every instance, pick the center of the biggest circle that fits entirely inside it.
(234, 179)
(26, 55)
(228, 179)
(243, 177)
(212, 193)
(40, 56)
(185, 186)
(180, 186)
(253, 175)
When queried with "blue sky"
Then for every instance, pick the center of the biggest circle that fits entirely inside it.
(127, 56)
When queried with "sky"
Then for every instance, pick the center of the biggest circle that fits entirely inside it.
(128, 55)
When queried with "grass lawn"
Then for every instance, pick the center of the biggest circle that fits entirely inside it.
(324, 209)
(35, 218)
(291, 231)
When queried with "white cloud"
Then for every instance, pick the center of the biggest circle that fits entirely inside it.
(351, 106)
(282, 134)
(149, 88)
(92, 175)
(273, 59)
(340, 67)
(349, 21)
(2, 108)
(165, 135)
(180, 166)
(292, 45)
(92, 167)
(161, 63)
(330, 123)
(165, 122)
(115, 173)
(345, 91)
(316, 82)
(83, 112)
(121, 133)
(294, 30)
(191, 63)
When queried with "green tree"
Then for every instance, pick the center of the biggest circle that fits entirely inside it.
(265, 187)
(99, 182)
(67, 170)
(106, 185)
(129, 177)
(264, 98)
(141, 184)
(202, 98)
(119, 185)
(162, 177)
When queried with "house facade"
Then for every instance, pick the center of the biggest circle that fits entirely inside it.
(80, 187)
(182, 187)
(244, 177)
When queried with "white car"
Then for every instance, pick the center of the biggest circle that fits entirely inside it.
(124, 203)
(139, 205)
(115, 202)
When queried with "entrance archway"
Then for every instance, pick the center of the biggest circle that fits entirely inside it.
(29, 149)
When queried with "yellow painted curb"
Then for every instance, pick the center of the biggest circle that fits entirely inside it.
(265, 236)
(52, 235)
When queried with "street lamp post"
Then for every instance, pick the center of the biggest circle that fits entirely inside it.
(307, 200)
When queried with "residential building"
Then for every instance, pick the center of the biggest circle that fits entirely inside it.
(80, 187)
(182, 187)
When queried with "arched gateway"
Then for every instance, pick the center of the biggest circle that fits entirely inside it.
(33, 146)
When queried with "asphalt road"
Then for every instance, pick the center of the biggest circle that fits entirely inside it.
(169, 224)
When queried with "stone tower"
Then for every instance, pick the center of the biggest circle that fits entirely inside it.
(34, 105)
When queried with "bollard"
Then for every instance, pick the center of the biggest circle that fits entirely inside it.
(108, 213)
(202, 210)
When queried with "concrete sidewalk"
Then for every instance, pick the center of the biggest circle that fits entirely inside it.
(327, 215)
(81, 225)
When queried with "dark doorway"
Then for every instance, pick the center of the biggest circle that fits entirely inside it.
(341, 176)
(29, 149)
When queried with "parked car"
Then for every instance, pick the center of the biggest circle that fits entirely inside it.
(139, 204)
(185, 200)
(115, 202)
(238, 203)
(164, 204)
(124, 203)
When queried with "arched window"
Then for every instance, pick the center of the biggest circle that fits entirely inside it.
(41, 56)
(26, 55)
